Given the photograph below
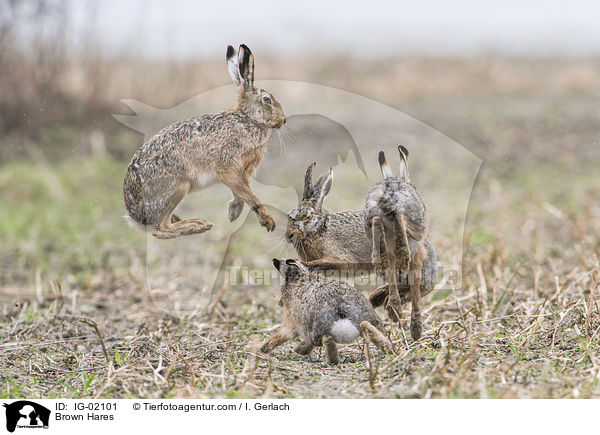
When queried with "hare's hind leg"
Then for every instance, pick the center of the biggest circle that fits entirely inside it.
(379, 253)
(370, 367)
(393, 305)
(371, 332)
(331, 350)
(285, 332)
(400, 261)
(171, 225)
(365, 330)
(401, 248)
(280, 337)
(416, 326)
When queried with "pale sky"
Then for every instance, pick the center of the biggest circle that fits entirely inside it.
(185, 28)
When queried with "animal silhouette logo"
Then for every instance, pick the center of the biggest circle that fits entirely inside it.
(26, 414)
(330, 126)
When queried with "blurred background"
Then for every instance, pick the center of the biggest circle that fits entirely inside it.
(515, 83)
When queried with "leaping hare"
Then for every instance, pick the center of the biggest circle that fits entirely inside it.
(189, 155)
(397, 221)
(322, 313)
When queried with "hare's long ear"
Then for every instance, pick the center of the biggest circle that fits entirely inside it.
(308, 183)
(322, 187)
(385, 167)
(232, 65)
(246, 66)
(403, 163)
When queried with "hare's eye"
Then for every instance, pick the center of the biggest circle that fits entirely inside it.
(307, 215)
(267, 100)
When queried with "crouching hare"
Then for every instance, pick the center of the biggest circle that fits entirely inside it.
(189, 155)
(322, 313)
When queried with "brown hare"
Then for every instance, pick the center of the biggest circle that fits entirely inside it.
(189, 155)
(322, 313)
(327, 240)
(397, 221)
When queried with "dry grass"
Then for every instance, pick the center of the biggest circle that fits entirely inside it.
(512, 332)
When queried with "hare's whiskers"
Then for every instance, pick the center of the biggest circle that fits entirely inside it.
(289, 132)
(281, 143)
(276, 241)
(303, 250)
(282, 245)
(287, 136)
(284, 242)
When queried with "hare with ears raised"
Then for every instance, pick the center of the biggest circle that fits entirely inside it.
(188, 155)
(327, 240)
(397, 221)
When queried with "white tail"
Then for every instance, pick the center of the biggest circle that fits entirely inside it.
(343, 331)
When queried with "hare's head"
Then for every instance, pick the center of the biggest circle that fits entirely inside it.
(258, 104)
(308, 219)
(290, 269)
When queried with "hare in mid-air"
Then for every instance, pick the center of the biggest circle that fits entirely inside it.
(322, 313)
(189, 155)
(327, 240)
(397, 221)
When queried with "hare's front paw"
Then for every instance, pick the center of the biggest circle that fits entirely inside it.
(234, 208)
(265, 219)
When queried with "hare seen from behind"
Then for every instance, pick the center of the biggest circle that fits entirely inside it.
(397, 221)
(322, 313)
(189, 155)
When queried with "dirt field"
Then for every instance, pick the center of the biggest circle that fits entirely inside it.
(79, 320)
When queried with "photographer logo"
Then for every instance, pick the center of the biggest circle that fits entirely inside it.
(24, 414)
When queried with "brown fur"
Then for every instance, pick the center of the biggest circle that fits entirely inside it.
(188, 155)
